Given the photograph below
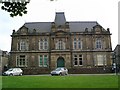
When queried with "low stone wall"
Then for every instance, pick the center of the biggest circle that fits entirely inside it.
(35, 71)
(95, 70)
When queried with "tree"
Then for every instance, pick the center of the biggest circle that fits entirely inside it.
(15, 8)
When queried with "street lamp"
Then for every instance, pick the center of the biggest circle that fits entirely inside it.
(114, 67)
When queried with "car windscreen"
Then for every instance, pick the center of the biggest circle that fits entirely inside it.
(58, 69)
(10, 69)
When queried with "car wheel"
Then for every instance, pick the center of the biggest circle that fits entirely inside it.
(60, 74)
(10, 74)
(66, 74)
(20, 74)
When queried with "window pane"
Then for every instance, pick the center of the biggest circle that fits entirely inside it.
(75, 60)
(98, 44)
(45, 44)
(45, 60)
(80, 62)
(76, 63)
(21, 61)
(80, 55)
(75, 44)
(41, 60)
(100, 59)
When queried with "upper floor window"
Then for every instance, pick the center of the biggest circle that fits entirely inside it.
(77, 43)
(23, 45)
(60, 45)
(98, 44)
(43, 44)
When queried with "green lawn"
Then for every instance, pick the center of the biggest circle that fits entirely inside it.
(91, 81)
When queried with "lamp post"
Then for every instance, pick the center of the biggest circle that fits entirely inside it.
(114, 67)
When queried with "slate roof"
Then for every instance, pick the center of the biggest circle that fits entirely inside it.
(38, 26)
(60, 18)
(75, 26)
(81, 26)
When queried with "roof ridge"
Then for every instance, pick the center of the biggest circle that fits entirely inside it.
(84, 21)
(36, 22)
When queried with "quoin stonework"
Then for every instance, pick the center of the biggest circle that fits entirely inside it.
(80, 46)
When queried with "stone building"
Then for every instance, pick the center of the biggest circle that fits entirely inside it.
(116, 59)
(4, 59)
(81, 46)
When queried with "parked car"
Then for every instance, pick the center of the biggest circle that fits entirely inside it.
(60, 71)
(13, 72)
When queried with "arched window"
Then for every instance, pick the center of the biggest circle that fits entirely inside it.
(98, 44)
(23, 45)
(75, 43)
(79, 44)
(60, 45)
(43, 44)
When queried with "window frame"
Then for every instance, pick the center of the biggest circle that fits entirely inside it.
(43, 44)
(23, 45)
(60, 45)
(98, 44)
(77, 59)
(41, 58)
(100, 60)
(20, 62)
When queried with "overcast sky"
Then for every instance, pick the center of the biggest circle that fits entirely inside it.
(105, 12)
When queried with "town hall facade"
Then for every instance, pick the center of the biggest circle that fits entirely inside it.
(80, 46)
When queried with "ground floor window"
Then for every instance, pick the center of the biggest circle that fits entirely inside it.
(21, 61)
(100, 60)
(43, 60)
(78, 59)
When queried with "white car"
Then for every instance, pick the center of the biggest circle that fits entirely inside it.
(13, 72)
(60, 71)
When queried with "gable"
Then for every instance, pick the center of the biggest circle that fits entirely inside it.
(23, 30)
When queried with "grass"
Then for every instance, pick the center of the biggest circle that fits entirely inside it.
(91, 81)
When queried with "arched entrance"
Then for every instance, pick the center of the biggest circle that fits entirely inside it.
(60, 62)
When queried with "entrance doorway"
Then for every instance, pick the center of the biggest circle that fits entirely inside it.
(60, 62)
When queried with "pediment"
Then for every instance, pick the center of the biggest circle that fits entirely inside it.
(60, 32)
(23, 30)
(97, 29)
